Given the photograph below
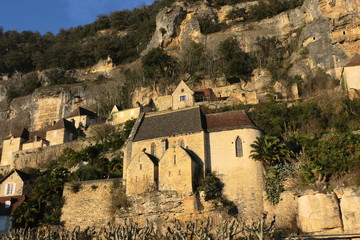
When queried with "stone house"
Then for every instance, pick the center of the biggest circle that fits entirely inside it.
(119, 116)
(182, 97)
(351, 76)
(63, 131)
(189, 143)
(13, 188)
(12, 144)
(82, 117)
(37, 139)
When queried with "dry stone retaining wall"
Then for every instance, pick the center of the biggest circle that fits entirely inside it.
(36, 158)
(91, 206)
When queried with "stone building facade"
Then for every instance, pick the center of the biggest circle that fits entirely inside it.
(82, 117)
(11, 145)
(63, 131)
(142, 173)
(182, 96)
(13, 188)
(188, 143)
(119, 116)
(351, 77)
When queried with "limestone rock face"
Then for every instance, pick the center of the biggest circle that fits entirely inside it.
(285, 211)
(350, 209)
(177, 25)
(327, 30)
(319, 213)
(41, 108)
(49, 105)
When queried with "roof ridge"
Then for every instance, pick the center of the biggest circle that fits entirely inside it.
(168, 112)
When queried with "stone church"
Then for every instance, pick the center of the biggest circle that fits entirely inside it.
(173, 150)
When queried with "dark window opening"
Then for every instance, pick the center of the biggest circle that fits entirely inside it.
(238, 147)
(153, 149)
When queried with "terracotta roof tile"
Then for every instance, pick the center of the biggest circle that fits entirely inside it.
(354, 61)
(228, 120)
(16, 201)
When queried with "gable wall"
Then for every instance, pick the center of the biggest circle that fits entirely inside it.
(194, 142)
(141, 174)
(176, 175)
(13, 178)
(187, 92)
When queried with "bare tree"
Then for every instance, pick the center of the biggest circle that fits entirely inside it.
(260, 228)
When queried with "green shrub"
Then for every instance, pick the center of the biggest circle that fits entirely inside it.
(234, 61)
(274, 181)
(75, 187)
(213, 189)
(209, 25)
(237, 14)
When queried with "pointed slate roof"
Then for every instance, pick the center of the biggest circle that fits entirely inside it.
(63, 124)
(116, 108)
(23, 133)
(188, 120)
(228, 121)
(354, 61)
(82, 112)
(23, 175)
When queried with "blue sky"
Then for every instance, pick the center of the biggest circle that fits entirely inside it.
(52, 15)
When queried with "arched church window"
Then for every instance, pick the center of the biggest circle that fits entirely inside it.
(153, 149)
(238, 147)
(182, 143)
(164, 145)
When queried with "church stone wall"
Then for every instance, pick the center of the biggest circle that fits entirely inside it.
(176, 171)
(242, 176)
(142, 174)
(194, 142)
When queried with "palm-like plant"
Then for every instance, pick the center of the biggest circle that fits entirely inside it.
(270, 151)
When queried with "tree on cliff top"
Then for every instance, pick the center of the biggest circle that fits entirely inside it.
(236, 63)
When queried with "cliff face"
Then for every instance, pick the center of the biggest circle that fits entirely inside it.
(327, 29)
(41, 108)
